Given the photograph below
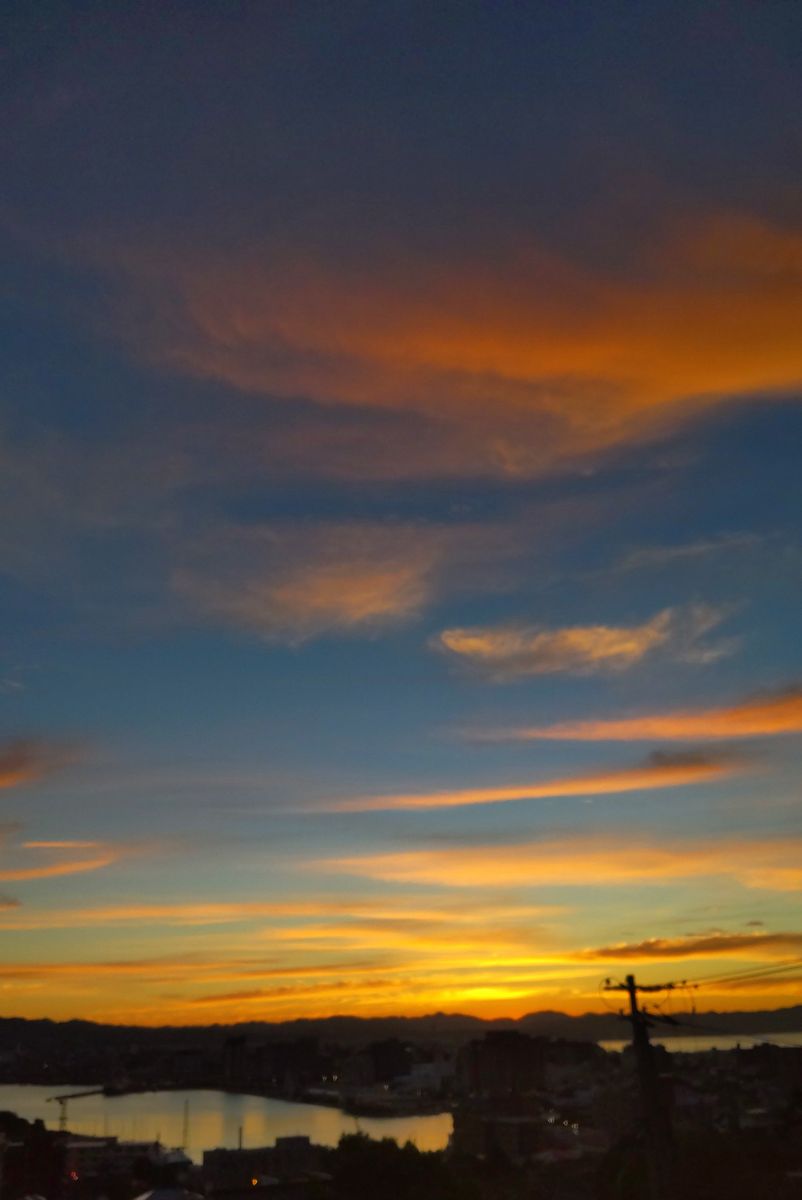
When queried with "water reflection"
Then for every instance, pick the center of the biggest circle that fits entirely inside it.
(699, 1042)
(214, 1118)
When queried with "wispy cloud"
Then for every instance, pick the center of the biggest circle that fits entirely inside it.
(28, 860)
(293, 913)
(657, 771)
(432, 960)
(64, 844)
(162, 967)
(775, 986)
(587, 861)
(28, 759)
(154, 915)
(669, 555)
(296, 993)
(294, 582)
(436, 939)
(103, 857)
(411, 975)
(768, 715)
(740, 945)
(513, 651)
(570, 359)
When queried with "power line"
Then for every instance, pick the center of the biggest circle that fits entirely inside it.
(723, 977)
(610, 1008)
(776, 978)
(754, 976)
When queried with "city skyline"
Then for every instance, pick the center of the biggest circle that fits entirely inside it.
(399, 554)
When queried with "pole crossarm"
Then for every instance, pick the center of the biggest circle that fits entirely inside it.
(641, 987)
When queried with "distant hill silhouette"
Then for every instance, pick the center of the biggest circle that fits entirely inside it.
(442, 1028)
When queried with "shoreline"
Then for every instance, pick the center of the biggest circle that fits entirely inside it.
(350, 1106)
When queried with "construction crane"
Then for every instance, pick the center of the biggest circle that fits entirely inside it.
(62, 1103)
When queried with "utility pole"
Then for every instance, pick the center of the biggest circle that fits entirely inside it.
(657, 1122)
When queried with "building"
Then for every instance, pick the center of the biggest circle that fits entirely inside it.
(503, 1063)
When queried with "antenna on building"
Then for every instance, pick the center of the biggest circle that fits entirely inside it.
(185, 1129)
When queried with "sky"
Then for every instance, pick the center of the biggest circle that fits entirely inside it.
(399, 507)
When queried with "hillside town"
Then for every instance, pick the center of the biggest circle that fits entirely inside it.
(532, 1117)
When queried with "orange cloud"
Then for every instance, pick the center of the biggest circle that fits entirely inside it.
(295, 993)
(50, 859)
(67, 844)
(765, 716)
(773, 864)
(421, 936)
(658, 771)
(187, 968)
(27, 759)
(741, 945)
(159, 967)
(152, 914)
(294, 581)
(49, 870)
(198, 970)
(232, 912)
(314, 599)
(765, 989)
(512, 651)
(524, 361)
(480, 980)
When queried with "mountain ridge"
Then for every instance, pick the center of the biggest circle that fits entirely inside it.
(588, 1026)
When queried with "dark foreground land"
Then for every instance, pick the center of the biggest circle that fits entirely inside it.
(534, 1117)
(723, 1166)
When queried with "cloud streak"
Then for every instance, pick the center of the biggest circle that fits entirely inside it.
(668, 556)
(208, 913)
(296, 581)
(656, 772)
(571, 359)
(589, 861)
(769, 715)
(70, 866)
(28, 759)
(740, 945)
(51, 859)
(516, 651)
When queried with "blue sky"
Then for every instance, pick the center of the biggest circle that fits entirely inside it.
(396, 400)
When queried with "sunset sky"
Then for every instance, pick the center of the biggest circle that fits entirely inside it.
(400, 563)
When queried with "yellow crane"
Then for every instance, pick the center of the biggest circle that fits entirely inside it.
(62, 1103)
